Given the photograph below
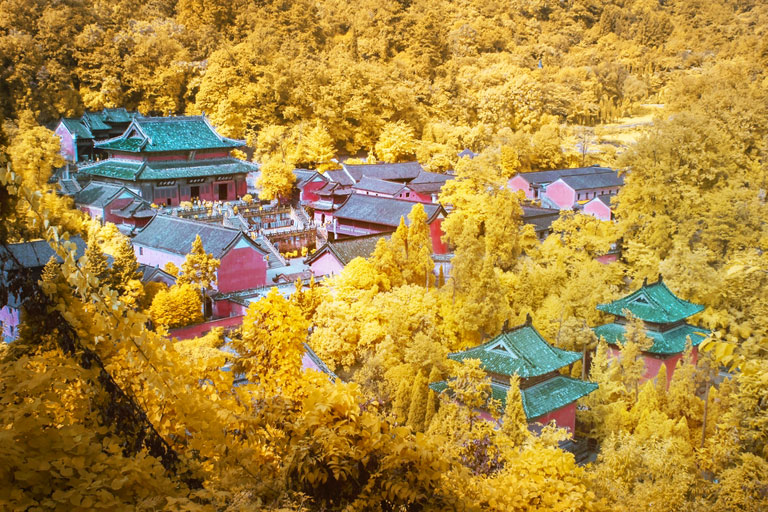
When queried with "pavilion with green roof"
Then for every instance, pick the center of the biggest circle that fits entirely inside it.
(664, 315)
(547, 395)
(167, 160)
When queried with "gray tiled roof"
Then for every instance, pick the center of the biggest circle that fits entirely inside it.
(98, 194)
(381, 210)
(590, 181)
(33, 254)
(605, 198)
(379, 186)
(341, 177)
(404, 171)
(175, 235)
(347, 250)
(540, 218)
(545, 177)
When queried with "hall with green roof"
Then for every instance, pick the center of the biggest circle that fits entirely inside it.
(664, 316)
(547, 395)
(168, 160)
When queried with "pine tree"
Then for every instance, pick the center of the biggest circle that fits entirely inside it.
(199, 268)
(401, 403)
(418, 408)
(514, 424)
(419, 267)
(125, 268)
(432, 399)
(96, 264)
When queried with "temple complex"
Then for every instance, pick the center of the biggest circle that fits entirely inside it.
(664, 315)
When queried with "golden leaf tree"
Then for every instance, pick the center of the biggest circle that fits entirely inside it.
(270, 346)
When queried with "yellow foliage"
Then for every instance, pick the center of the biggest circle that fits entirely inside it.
(178, 306)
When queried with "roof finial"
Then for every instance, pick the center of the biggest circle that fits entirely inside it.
(528, 319)
(645, 281)
(505, 328)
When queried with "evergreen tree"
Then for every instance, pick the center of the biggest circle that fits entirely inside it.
(96, 264)
(401, 404)
(514, 424)
(199, 268)
(125, 268)
(418, 407)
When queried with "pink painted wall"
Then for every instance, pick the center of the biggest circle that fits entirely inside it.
(607, 258)
(242, 269)
(155, 257)
(92, 211)
(564, 417)
(10, 319)
(597, 208)
(67, 143)
(520, 183)
(194, 331)
(561, 194)
(326, 265)
(308, 364)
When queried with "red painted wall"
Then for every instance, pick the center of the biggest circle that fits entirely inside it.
(194, 331)
(308, 191)
(653, 363)
(436, 232)
(241, 269)
(564, 417)
(226, 308)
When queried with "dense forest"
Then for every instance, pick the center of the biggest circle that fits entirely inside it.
(97, 410)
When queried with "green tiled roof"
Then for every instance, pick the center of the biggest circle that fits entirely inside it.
(138, 171)
(653, 303)
(667, 342)
(199, 168)
(113, 169)
(95, 122)
(522, 351)
(77, 128)
(542, 398)
(183, 133)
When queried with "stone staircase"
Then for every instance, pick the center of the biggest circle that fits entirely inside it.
(275, 258)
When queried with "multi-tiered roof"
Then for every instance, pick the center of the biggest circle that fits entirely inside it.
(663, 313)
(163, 148)
(524, 352)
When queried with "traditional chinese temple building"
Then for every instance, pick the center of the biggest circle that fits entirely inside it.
(664, 315)
(78, 135)
(547, 395)
(167, 160)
